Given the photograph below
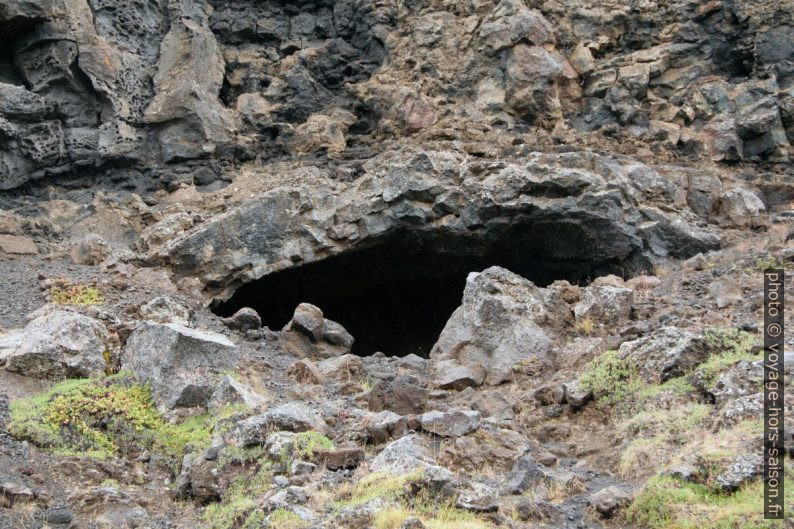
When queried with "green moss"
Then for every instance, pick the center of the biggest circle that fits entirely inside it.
(241, 455)
(668, 503)
(103, 418)
(379, 485)
(768, 261)
(66, 293)
(611, 379)
(656, 434)
(729, 347)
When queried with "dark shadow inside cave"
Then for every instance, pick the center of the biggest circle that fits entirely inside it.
(396, 293)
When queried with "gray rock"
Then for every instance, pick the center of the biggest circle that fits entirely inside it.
(402, 456)
(243, 320)
(666, 353)
(530, 84)
(342, 368)
(181, 364)
(453, 423)
(609, 500)
(743, 379)
(495, 328)
(165, 309)
(230, 390)
(740, 206)
(91, 249)
(478, 497)
(744, 468)
(309, 321)
(511, 22)
(385, 426)
(59, 345)
(13, 492)
(335, 334)
(449, 374)
(605, 304)
(291, 417)
(576, 396)
(401, 395)
(725, 292)
(525, 472)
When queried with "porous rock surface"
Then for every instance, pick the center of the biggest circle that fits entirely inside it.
(599, 184)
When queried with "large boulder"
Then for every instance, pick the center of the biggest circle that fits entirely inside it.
(741, 207)
(531, 84)
(62, 344)
(293, 417)
(181, 364)
(403, 455)
(666, 353)
(497, 326)
(610, 305)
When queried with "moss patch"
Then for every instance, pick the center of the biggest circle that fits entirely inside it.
(66, 293)
(103, 418)
(611, 379)
(284, 519)
(729, 347)
(304, 444)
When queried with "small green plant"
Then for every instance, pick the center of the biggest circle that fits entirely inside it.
(584, 326)
(728, 346)
(611, 379)
(284, 519)
(768, 261)
(66, 293)
(304, 444)
(378, 485)
(656, 434)
(239, 507)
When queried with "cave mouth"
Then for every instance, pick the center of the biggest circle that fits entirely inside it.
(396, 293)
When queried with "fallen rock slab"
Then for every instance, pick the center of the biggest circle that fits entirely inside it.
(61, 344)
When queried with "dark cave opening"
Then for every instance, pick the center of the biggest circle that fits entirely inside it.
(396, 293)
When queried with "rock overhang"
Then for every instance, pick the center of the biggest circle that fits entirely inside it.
(427, 220)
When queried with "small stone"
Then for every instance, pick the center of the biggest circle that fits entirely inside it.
(609, 500)
(90, 250)
(14, 492)
(450, 423)
(243, 320)
(413, 523)
(341, 458)
(60, 515)
(165, 309)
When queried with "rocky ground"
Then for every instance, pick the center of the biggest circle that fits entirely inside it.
(390, 265)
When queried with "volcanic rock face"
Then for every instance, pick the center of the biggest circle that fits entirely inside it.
(182, 92)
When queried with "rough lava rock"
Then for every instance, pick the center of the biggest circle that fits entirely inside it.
(62, 344)
(498, 325)
(181, 364)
